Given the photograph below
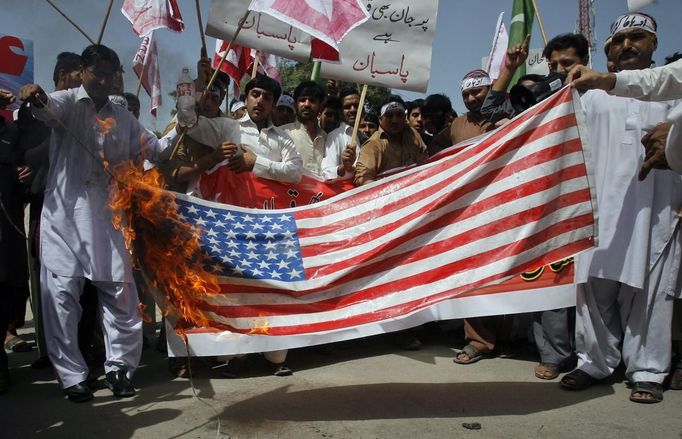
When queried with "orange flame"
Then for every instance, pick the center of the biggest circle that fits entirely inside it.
(164, 247)
(106, 124)
(260, 326)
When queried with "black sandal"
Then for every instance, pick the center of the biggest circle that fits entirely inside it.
(578, 380)
(649, 388)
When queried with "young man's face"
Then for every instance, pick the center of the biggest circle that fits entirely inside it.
(330, 119)
(98, 80)
(210, 105)
(367, 127)
(415, 120)
(473, 97)
(393, 122)
(561, 61)
(632, 49)
(259, 103)
(307, 108)
(350, 105)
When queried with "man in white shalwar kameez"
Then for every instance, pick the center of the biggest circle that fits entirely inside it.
(624, 301)
(78, 239)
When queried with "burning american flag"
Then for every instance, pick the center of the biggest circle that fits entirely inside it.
(371, 259)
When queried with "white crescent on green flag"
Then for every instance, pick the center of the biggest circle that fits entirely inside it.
(521, 25)
(391, 49)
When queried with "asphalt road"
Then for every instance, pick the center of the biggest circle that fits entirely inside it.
(361, 389)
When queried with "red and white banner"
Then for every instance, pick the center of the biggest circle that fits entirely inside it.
(326, 20)
(148, 15)
(236, 62)
(146, 65)
(414, 246)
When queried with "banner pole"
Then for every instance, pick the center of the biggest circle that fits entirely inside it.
(358, 118)
(104, 23)
(201, 26)
(71, 21)
(254, 68)
(542, 27)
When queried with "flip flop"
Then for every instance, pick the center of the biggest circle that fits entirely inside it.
(578, 380)
(473, 354)
(547, 371)
(653, 389)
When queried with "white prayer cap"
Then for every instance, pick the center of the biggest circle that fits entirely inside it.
(236, 106)
(286, 101)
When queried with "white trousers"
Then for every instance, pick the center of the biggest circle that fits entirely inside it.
(118, 302)
(615, 321)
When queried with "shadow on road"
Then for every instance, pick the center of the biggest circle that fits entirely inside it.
(408, 400)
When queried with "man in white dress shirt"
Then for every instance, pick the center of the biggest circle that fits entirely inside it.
(625, 285)
(268, 152)
(78, 239)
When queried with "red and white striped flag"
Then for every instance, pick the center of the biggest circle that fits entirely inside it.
(146, 65)
(148, 15)
(236, 63)
(371, 259)
(327, 20)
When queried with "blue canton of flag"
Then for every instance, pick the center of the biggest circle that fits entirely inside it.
(249, 245)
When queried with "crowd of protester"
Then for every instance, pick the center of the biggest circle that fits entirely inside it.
(83, 289)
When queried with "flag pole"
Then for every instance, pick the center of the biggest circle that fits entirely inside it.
(214, 76)
(358, 118)
(201, 26)
(71, 21)
(542, 27)
(104, 23)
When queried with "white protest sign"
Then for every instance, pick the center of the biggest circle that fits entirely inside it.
(536, 63)
(391, 49)
(260, 31)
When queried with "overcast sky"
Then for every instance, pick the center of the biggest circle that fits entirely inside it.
(463, 36)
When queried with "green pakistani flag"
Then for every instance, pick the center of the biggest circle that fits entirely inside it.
(521, 26)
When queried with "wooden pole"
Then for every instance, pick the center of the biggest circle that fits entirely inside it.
(201, 26)
(542, 27)
(104, 23)
(71, 21)
(214, 76)
(254, 68)
(358, 118)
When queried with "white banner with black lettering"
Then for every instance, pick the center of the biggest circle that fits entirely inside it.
(391, 49)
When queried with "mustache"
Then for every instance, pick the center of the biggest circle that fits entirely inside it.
(628, 53)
